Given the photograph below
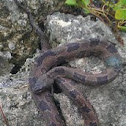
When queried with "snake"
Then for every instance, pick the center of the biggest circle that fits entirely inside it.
(47, 70)
(66, 77)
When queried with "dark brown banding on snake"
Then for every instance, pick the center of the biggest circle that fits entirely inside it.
(73, 83)
(44, 106)
(111, 49)
(52, 124)
(60, 71)
(92, 53)
(93, 124)
(40, 59)
(102, 80)
(85, 109)
(79, 77)
(103, 44)
(61, 83)
(96, 53)
(94, 42)
(61, 60)
(59, 80)
(81, 54)
(59, 51)
(117, 69)
(73, 94)
(32, 80)
(72, 47)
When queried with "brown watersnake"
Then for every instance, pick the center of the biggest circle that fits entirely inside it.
(64, 76)
(46, 71)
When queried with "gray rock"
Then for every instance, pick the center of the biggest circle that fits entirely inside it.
(5, 66)
(67, 28)
(18, 106)
(16, 100)
(16, 35)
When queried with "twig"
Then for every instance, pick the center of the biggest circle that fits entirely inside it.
(4, 117)
(44, 44)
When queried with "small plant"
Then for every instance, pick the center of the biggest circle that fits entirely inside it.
(113, 14)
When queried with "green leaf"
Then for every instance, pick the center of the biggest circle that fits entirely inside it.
(122, 28)
(71, 2)
(120, 4)
(86, 2)
(116, 7)
(86, 11)
(120, 14)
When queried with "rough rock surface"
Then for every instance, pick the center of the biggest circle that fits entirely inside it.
(108, 100)
(15, 99)
(17, 39)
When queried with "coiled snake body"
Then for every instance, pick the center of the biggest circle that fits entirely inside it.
(47, 70)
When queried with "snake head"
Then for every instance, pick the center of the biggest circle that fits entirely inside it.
(42, 84)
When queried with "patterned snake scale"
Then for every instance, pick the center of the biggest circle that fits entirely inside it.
(47, 70)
